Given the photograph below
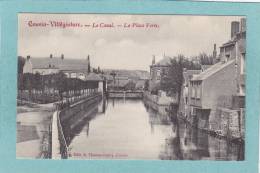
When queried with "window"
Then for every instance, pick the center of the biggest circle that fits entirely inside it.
(158, 72)
(242, 90)
(242, 64)
(193, 92)
(198, 92)
(227, 58)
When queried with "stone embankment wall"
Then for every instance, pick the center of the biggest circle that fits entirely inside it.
(134, 95)
(66, 119)
(158, 103)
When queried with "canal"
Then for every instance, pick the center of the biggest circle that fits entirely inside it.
(129, 129)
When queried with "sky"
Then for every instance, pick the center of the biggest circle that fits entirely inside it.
(119, 47)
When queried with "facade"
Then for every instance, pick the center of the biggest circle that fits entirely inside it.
(72, 68)
(236, 49)
(158, 70)
(217, 94)
(184, 107)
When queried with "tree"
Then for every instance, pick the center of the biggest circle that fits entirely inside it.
(205, 59)
(172, 81)
(130, 85)
(89, 70)
(60, 83)
(21, 62)
(98, 70)
(146, 85)
(95, 70)
(114, 77)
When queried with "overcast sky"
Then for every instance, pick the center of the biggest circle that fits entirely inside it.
(120, 47)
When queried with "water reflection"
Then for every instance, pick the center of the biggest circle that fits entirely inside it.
(130, 129)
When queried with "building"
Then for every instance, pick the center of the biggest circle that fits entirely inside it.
(158, 71)
(210, 88)
(97, 81)
(72, 68)
(218, 93)
(184, 107)
(236, 49)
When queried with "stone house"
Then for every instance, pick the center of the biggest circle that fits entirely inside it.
(184, 108)
(158, 71)
(217, 96)
(72, 68)
(208, 88)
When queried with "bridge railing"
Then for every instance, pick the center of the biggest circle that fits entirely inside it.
(59, 144)
(63, 144)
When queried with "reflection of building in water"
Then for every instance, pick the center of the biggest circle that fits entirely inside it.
(188, 146)
(173, 146)
(155, 118)
(224, 150)
(102, 106)
(203, 145)
(191, 144)
(194, 145)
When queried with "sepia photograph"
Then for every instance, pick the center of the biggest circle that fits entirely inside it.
(131, 87)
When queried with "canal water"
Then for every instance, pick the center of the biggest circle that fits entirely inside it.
(129, 129)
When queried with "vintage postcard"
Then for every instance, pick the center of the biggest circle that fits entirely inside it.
(131, 87)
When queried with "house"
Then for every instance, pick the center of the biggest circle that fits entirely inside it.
(184, 107)
(158, 70)
(72, 68)
(217, 94)
(236, 49)
(209, 88)
(97, 82)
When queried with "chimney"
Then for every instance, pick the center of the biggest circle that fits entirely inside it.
(62, 56)
(234, 28)
(153, 61)
(243, 25)
(51, 56)
(28, 57)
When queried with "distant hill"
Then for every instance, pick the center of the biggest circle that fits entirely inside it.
(131, 74)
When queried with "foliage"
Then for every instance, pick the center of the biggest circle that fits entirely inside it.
(57, 81)
(21, 62)
(205, 59)
(97, 70)
(130, 85)
(146, 85)
(89, 70)
(172, 81)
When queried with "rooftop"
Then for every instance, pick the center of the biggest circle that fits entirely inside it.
(93, 77)
(58, 62)
(212, 70)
